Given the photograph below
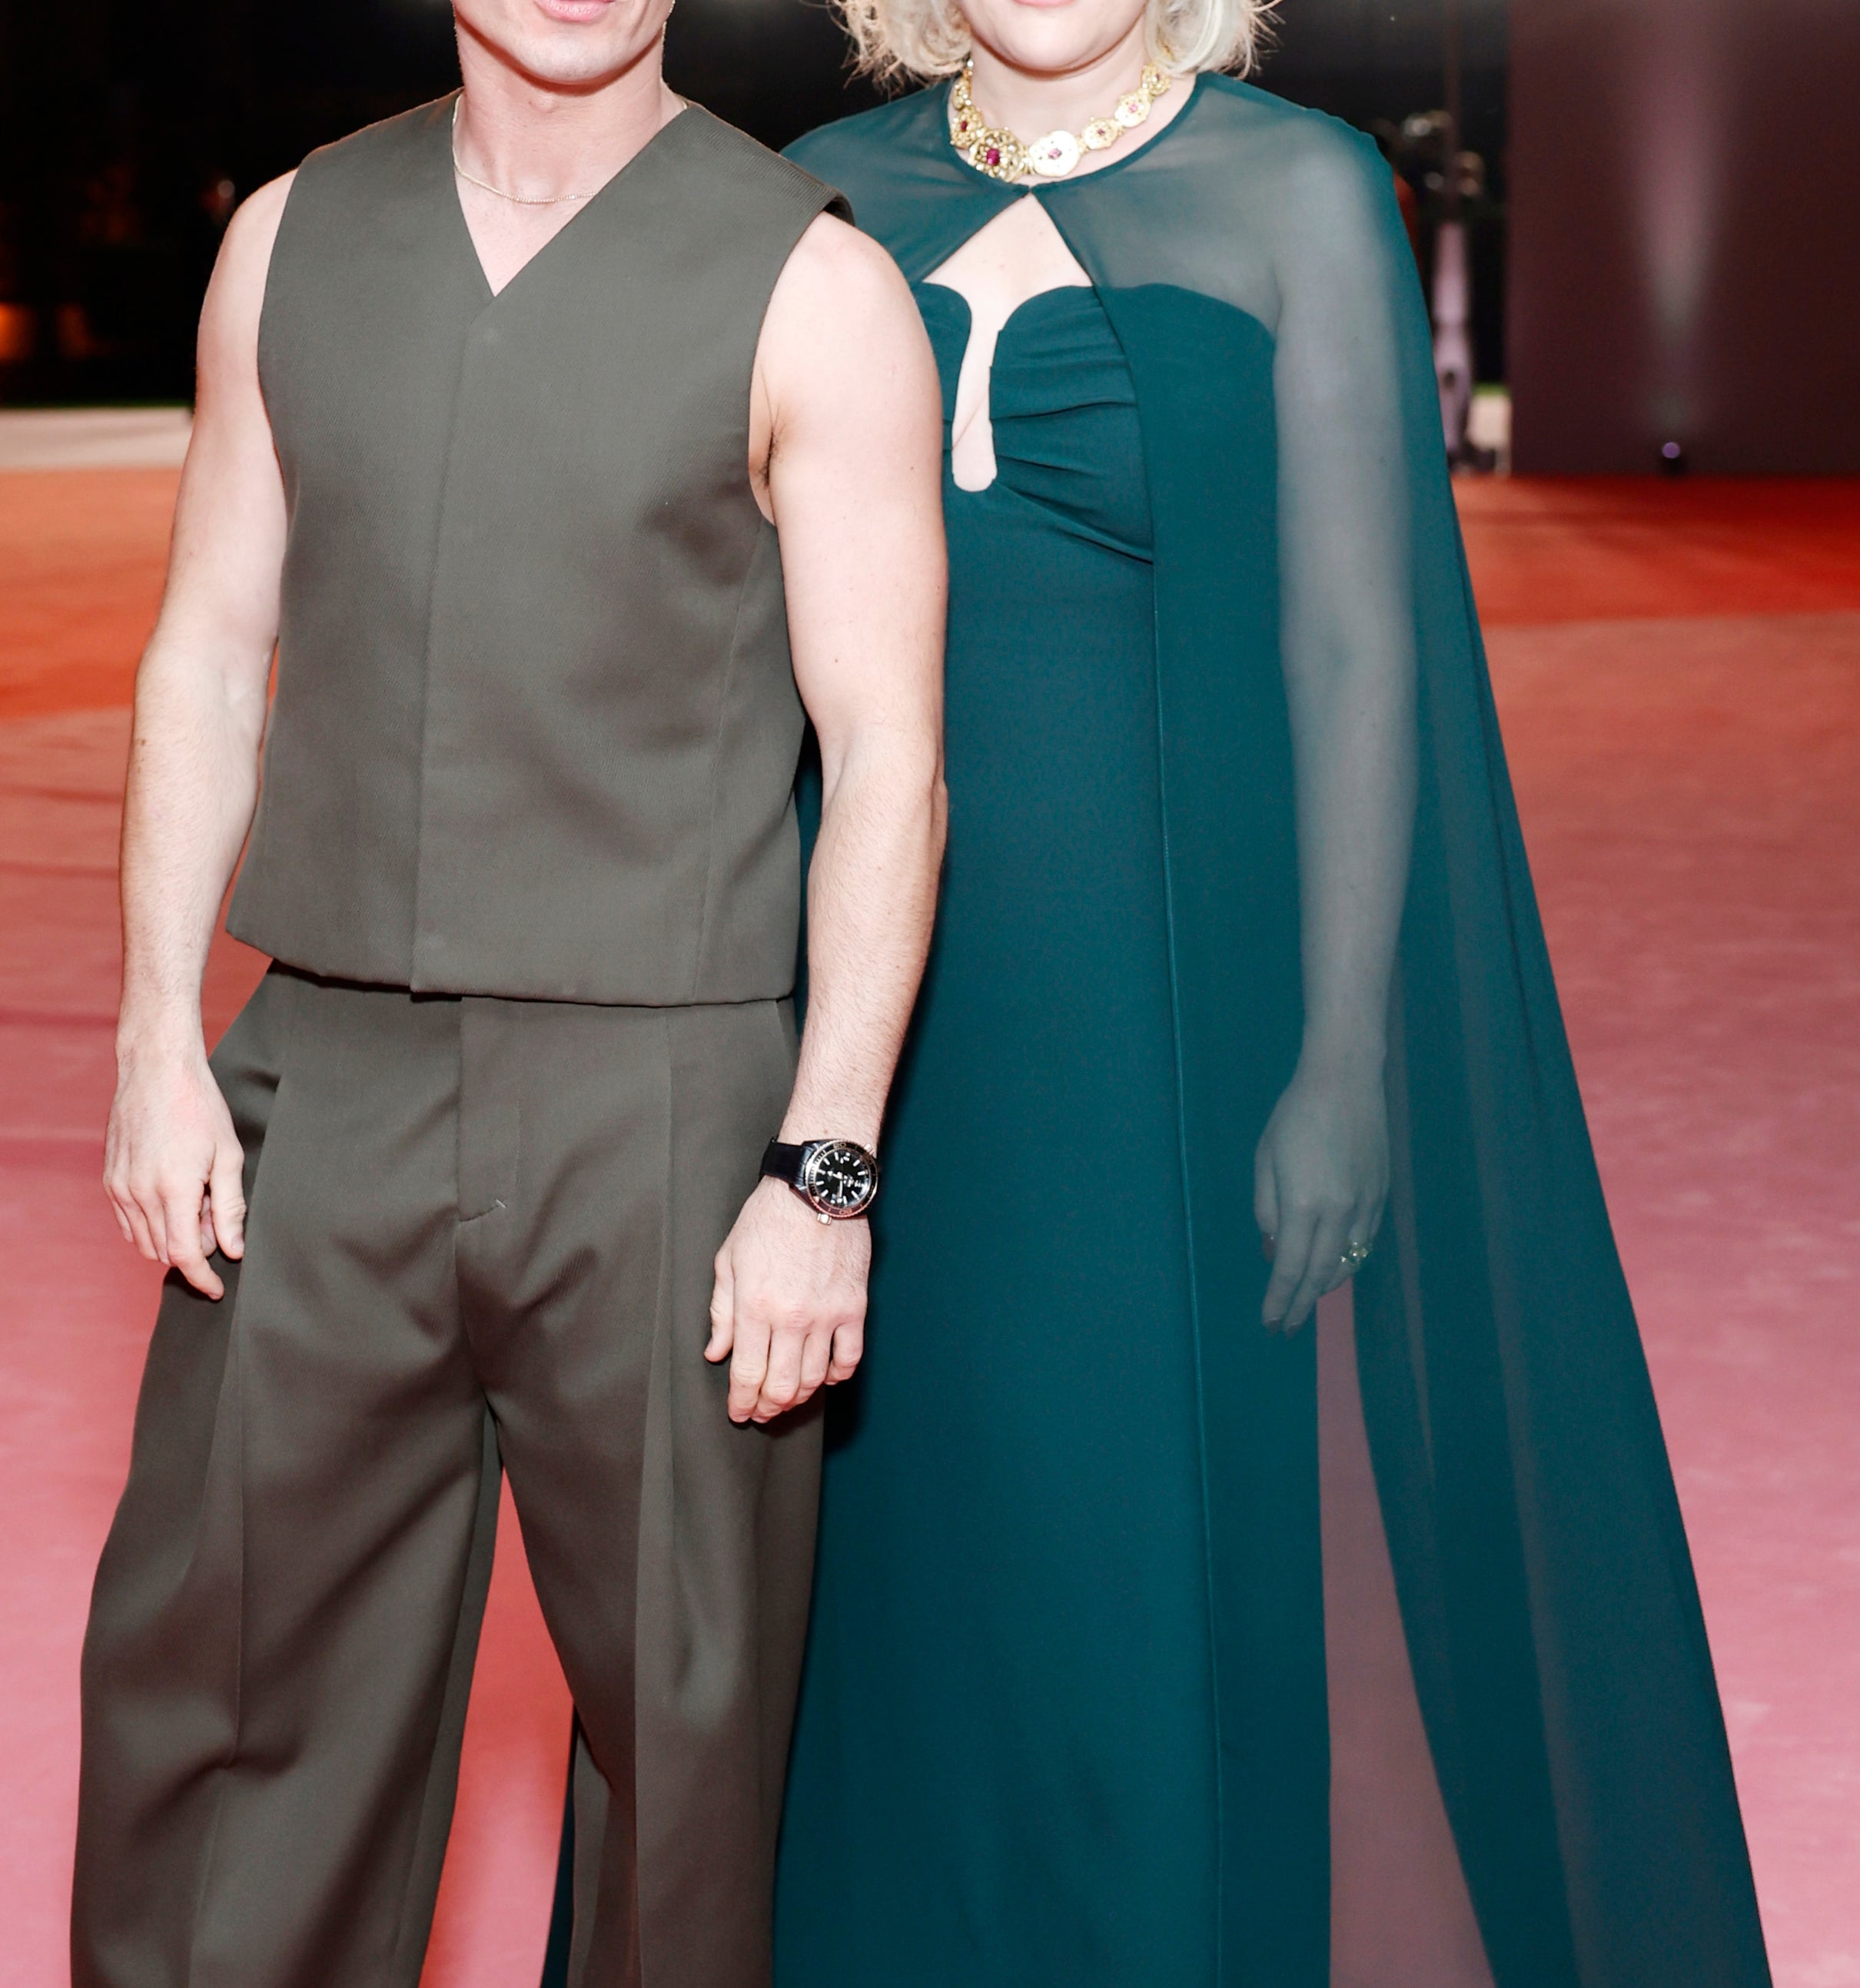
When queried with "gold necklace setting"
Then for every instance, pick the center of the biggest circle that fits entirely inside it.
(1002, 155)
(515, 199)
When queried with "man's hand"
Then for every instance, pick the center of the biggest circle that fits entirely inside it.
(789, 1309)
(1320, 1181)
(173, 1168)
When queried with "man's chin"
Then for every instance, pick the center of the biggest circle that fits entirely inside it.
(570, 45)
(575, 13)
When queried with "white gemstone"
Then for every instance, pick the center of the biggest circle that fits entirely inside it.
(1055, 155)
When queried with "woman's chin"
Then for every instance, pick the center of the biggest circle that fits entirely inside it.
(1048, 38)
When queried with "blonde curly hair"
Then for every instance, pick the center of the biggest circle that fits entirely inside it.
(922, 39)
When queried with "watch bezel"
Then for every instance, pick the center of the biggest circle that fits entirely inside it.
(811, 1154)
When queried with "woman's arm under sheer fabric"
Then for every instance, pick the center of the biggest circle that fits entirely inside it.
(1322, 1168)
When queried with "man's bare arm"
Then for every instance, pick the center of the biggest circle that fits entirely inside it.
(847, 399)
(172, 1165)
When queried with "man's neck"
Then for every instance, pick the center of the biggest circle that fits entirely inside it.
(538, 141)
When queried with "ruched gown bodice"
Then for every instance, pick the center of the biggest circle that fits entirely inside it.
(1006, 1725)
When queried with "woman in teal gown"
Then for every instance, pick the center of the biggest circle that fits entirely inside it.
(1084, 1704)
(1066, 1718)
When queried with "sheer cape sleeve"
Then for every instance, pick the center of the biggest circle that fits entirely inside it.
(1343, 853)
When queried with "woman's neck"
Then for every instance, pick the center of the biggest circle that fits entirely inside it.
(1030, 102)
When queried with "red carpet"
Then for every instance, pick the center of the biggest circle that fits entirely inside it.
(81, 559)
(1678, 670)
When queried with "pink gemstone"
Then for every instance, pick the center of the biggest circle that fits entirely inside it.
(994, 155)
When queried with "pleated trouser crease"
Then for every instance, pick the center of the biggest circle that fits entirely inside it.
(481, 1233)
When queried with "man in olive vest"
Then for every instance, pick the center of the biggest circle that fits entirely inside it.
(564, 446)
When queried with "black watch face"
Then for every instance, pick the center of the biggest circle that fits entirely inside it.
(839, 1178)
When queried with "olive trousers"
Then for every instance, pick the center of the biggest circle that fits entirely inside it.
(480, 1236)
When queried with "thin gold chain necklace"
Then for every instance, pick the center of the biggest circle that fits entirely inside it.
(1002, 155)
(516, 199)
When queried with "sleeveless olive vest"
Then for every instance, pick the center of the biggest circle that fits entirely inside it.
(536, 727)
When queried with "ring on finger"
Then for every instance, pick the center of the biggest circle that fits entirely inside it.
(1354, 1256)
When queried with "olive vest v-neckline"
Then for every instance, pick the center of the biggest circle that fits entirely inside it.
(535, 727)
(613, 185)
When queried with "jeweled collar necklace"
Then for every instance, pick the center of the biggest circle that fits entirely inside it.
(1002, 156)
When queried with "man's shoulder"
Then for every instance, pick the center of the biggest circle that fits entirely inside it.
(380, 146)
(363, 186)
(736, 158)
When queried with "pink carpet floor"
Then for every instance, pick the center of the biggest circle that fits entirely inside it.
(1678, 672)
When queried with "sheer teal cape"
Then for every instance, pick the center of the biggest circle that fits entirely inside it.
(1293, 446)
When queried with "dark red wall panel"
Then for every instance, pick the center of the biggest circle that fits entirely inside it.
(1685, 234)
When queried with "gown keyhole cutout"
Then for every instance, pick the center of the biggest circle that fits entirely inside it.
(1018, 256)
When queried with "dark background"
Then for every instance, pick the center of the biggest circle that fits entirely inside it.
(128, 128)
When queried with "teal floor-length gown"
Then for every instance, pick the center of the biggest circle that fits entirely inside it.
(1067, 1718)
(1009, 1701)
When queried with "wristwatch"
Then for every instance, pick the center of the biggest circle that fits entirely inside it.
(837, 1179)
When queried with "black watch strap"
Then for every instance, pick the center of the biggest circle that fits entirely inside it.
(783, 1163)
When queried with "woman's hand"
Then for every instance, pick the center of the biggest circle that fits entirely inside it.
(1321, 1180)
